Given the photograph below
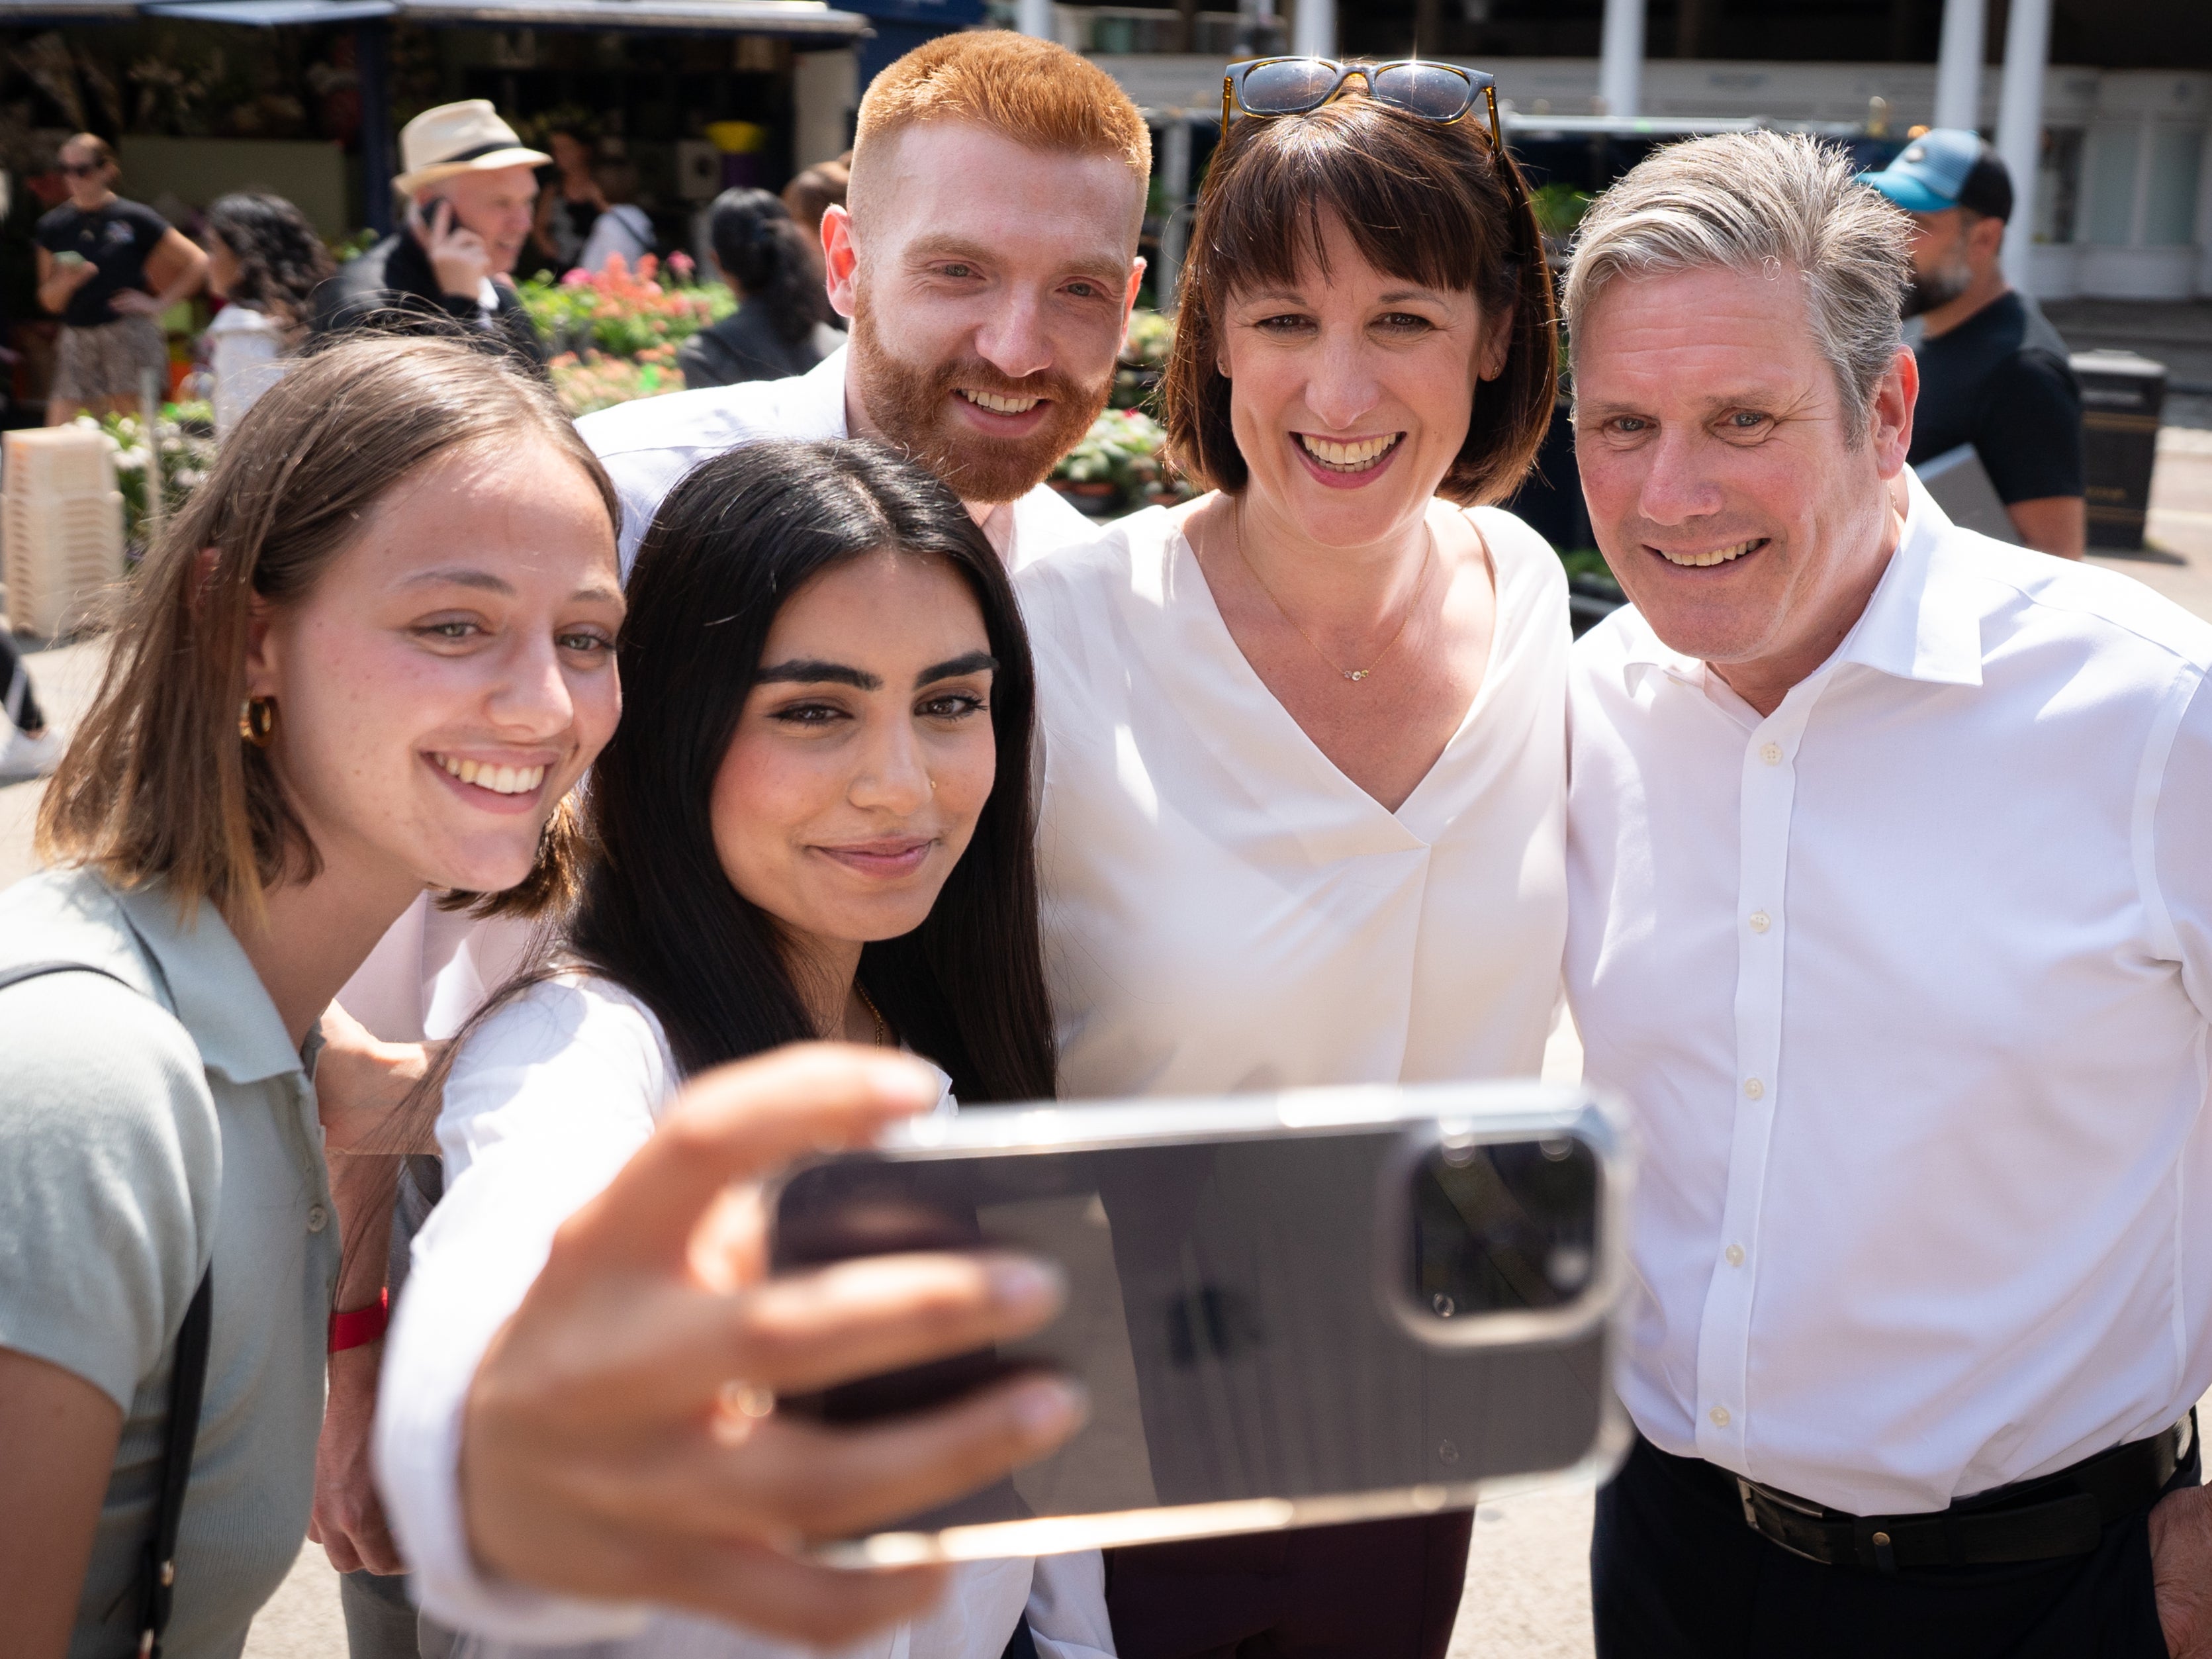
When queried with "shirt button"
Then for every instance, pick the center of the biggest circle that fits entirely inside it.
(317, 1218)
(1772, 754)
(1754, 1088)
(1760, 921)
(1720, 1416)
(1734, 1254)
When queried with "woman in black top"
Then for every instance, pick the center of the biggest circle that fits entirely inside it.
(762, 254)
(109, 268)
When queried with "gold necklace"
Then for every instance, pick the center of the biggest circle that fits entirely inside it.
(883, 1030)
(1420, 582)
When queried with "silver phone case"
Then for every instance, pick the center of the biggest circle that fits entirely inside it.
(1345, 1401)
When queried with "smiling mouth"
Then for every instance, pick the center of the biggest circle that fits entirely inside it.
(500, 780)
(998, 402)
(1362, 456)
(1710, 555)
(888, 858)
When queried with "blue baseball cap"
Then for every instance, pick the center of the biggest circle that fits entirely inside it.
(1943, 168)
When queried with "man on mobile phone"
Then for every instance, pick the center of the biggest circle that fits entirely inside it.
(471, 186)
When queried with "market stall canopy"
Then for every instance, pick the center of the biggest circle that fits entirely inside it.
(804, 19)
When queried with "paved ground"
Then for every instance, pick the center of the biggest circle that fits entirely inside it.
(1526, 1595)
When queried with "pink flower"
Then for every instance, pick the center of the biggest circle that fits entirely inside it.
(680, 264)
(579, 277)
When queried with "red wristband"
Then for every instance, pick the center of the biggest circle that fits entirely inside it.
(363, 1325)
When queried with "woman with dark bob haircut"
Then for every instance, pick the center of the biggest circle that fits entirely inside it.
(814, 821)
(1303, 815)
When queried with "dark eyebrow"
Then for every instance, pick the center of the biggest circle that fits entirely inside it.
(808, 672)
(975, 662)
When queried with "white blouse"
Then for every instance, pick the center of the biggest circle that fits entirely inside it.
(549, 1099)
(1225, 909)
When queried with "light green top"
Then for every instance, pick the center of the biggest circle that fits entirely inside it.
(137, 1142)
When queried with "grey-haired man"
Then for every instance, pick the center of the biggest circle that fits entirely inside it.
(1889, 913)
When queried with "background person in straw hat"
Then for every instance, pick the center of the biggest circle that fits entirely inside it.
(471, 186)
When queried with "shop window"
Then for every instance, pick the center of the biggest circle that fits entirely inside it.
(2170, 202)
(2112, 155)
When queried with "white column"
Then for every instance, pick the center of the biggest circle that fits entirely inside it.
(1621, 61)
(1958, 64)
(2019, 126)
(1035, 17)
(1314, 28)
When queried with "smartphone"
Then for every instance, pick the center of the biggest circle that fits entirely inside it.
(1292, 1309)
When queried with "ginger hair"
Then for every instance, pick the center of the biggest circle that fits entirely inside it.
(1035, 92)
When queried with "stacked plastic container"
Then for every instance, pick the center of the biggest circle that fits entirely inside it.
(61, 526)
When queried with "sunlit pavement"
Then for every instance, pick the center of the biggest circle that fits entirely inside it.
(1527, 1592)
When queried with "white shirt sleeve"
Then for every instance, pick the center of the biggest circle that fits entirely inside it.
(1066, 1611)
(550, 1099)
(2182, 873)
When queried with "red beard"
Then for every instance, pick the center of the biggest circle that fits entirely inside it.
(911, 405)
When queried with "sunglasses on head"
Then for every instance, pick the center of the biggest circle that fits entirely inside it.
(1443, 93)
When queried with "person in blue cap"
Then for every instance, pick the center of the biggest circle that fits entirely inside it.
(1993, 372)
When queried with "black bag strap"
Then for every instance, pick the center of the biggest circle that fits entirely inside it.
(157, 1567)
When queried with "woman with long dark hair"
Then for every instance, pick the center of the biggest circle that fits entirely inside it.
(265, 262)
(814, 821)
(783, 311)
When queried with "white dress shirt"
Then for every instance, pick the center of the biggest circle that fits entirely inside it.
(1223, 909)
(551, 1097)
(1907, 983)
(646, 445)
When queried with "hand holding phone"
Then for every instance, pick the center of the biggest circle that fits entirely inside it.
(457, 254)
(620, 1441)
(1324, 1306)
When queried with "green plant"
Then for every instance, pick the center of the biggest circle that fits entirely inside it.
(1144, 355)
(598, 381)
(187, 458)
(1124, 453)
(1587, 567)
(1559, 207)
(623, 313)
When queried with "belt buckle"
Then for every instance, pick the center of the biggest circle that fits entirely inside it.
(1745, 1489)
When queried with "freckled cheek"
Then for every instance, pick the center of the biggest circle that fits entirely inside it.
(964, 769)
(364, 706)
(767, 794)
(596, 699)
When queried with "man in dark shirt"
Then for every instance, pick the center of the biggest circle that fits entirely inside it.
(1993, 372)
(472, 188)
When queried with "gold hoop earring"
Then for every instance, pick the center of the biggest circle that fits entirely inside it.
(257, 722)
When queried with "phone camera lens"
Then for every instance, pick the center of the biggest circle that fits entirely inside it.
(1444, 1305)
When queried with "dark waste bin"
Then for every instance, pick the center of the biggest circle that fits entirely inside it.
(2122, 394)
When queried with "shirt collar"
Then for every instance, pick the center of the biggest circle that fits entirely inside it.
(819, 397)
(217, 996)
(1920, 624)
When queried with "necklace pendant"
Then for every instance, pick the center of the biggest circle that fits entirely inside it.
(1355, 673)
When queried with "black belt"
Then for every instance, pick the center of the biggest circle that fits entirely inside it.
(2045, 1519)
